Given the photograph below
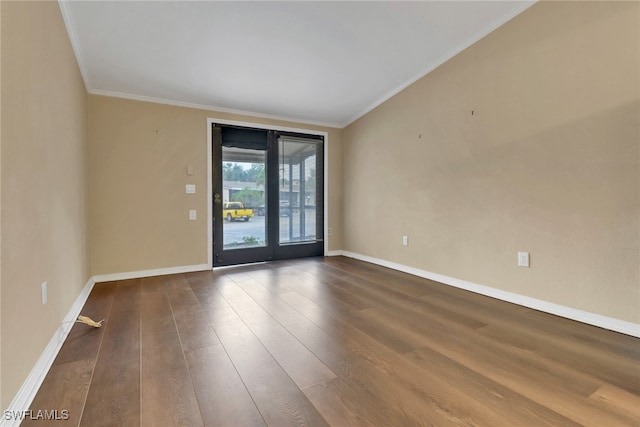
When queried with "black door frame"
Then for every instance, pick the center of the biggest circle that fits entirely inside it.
(273, 250)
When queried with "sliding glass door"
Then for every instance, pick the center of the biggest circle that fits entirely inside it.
(268, 195)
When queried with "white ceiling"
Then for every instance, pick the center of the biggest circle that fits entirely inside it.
(315, 62)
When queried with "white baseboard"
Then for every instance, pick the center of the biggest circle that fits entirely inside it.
(30, 387)
(335, 253)
(150, 273)
(617, 325)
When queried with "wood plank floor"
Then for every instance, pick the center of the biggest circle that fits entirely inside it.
(332, 341)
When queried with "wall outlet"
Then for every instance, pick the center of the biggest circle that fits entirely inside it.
(190, 189)
(405, 240)
(193, 214)
(523, 259)
(44, 292)
(329, 231)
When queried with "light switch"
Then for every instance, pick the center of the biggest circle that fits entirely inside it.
(523, 259)
(189, 170)
(193, 214)
(43, 287)
(191, 188)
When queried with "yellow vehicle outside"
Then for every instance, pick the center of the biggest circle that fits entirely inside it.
(235, 211)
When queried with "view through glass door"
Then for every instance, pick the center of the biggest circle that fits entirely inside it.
(268, 195)
(243, 175)
(297, 164)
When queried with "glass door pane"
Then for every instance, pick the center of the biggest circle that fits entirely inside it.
(243, 196)
(298, 182)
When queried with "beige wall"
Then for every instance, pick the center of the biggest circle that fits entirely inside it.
(138, 156)
(43, 191)
(526, 141)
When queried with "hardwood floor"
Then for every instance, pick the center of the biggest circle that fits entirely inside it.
(332, 341)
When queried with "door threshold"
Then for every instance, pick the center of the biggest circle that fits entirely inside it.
(220, 267)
